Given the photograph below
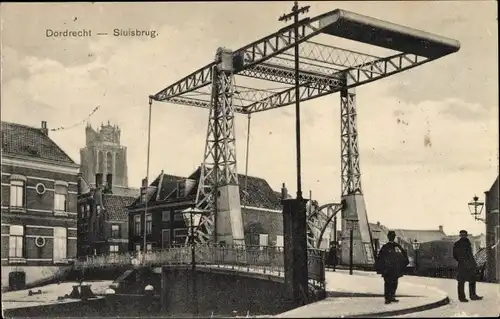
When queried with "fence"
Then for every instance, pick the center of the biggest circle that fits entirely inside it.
(266, 259)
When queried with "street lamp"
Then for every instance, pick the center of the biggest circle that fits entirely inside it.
(416, 247)
(191, 212)
(476, 208)
(351, 224)
(376, 239)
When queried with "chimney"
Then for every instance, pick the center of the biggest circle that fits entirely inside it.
(378, 223)
(44, 128)
(79, 184)
(284, 192)
(98, 180)
(441, 228)
(144, 188)
(109, 181)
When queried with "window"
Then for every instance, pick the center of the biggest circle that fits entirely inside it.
(149, 224)
(263, 240)
(16, 193)
(137, 224)
(165, 216)
(114, 249)
(149, 247)
(115, 231)
(60, 243)
(178, 217)
(280, 242)
(16, 241)
(180, 232)
(137, 247)
(60, 196)
(165, 238)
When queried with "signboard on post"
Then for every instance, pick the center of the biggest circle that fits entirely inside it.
(316, 265)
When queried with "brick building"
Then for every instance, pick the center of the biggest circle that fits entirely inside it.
(169, 195)
(39, 196)
(102, 218)
(492, 233)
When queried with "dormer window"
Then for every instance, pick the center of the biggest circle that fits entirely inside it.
(181, 188)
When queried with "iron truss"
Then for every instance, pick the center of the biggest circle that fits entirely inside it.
(324, 69)
(318, 222)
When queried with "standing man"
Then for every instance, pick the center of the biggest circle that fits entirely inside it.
(332, 255)
(391, 262)
(467, 267)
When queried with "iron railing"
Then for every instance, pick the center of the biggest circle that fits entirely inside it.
(258, 257)
(266, 259)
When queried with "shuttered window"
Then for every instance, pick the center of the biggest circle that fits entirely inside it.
(137, 224)
(60, 197)
(16, 241)
(60, 243)
(149, 224)
(165, 238)
(16, 193)
(280, 241)
(263, 240)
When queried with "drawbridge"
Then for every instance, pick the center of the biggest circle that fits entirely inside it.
(324, 69)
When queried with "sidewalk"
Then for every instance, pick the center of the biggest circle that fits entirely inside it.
(361, 295)
(20, 298)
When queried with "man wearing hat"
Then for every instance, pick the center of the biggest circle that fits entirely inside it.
(390, 263)
(467, 267)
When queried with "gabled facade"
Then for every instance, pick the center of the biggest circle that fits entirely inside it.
(492, 233)
(102, 218)
(39, 211)
(169, 195)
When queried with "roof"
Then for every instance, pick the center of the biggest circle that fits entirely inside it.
(115, 206)
(168, 184)
(126, 191)
(422, 236)
(258, 192)
(23, 140)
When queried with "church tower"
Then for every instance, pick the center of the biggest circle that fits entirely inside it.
(104, 154)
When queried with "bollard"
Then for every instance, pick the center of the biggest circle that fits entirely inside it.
(86, 293)
(75, 294)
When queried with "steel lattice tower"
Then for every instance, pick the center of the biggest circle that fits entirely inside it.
(219, 177)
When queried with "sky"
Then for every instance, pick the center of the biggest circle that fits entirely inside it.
(428, 137)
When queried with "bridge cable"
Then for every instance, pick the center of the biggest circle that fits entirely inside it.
(248, 148)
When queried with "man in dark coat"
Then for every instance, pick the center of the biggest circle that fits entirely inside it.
(332, 255)
(391, 262)
(467, 267)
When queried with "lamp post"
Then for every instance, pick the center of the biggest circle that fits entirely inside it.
(376, 240)
(476, 208)
(295, 15)
(191, 212)
(416, 247)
